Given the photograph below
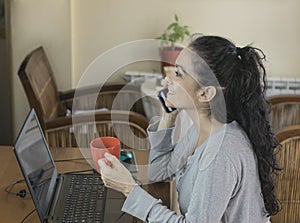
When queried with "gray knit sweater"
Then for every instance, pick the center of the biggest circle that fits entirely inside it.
(219, 182)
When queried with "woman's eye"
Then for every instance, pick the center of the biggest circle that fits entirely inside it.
(177, 74)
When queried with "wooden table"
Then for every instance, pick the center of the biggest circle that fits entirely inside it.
(14, 208)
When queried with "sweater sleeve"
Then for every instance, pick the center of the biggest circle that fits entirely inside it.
(142, 205)
(160, 152)
(207, 205)
(166, 158)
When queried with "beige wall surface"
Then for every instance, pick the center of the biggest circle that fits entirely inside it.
(35, 23)
(99, 25)
(76, 32)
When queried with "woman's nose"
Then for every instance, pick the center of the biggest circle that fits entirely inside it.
(167, 81)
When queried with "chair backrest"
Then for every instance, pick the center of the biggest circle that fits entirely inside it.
(129, 127)
(285, 111)
(288, 180)
(113, 96)
(39, 84)
(126, 97)
(38, 81)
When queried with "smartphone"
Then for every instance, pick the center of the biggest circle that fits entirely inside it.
(162, 95)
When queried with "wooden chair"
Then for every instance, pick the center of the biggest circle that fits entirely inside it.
(79, 130)
(114, 96)
(288, 180)
(51, 105)
(285, 111)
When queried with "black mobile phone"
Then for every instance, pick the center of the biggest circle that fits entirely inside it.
(162, 95)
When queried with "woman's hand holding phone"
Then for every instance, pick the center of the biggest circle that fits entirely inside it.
(162, 95)
(169, 116)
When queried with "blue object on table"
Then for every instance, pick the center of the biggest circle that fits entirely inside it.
(125, 155)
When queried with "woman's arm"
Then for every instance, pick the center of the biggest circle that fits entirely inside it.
(209, 194)
(166, 158)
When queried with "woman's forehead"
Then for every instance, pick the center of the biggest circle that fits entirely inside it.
(187, 60)
(194, 65)
(185, 57)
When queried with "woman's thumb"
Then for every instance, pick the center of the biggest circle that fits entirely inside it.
(110, 157)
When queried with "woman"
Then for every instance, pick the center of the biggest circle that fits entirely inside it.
(223, 166)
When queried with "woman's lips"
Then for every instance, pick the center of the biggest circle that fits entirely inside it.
(170, 93)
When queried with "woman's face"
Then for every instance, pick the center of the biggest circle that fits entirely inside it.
(181, 84)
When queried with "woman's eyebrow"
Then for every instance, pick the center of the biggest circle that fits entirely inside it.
(178, 66)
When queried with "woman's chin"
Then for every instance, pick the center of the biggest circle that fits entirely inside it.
(168, 104)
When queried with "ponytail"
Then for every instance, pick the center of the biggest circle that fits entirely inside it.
(241, 74)
(253, 118)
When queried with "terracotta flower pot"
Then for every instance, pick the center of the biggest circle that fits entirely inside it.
(168, 56)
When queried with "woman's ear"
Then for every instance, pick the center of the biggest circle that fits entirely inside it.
(206, 94)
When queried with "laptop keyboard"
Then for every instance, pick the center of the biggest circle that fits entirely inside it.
(85, 200)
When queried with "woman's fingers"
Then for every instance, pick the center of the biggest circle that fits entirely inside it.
(105, 166)
(111, 158)
(169, 104)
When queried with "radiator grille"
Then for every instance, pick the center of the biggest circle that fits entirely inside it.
(278, 85)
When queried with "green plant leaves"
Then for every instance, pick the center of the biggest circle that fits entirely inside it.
(174, 32)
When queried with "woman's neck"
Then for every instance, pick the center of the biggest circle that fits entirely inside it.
(204, 124)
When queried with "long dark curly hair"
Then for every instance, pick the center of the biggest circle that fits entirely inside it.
(242, 77)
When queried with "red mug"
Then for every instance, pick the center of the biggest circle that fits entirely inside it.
(101, 145)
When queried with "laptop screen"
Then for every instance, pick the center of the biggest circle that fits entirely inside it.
(36, 164)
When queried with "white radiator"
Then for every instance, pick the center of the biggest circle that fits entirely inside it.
(279, 85)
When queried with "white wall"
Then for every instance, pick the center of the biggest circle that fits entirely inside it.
(272, 25)
(34, 23)
(98, 25)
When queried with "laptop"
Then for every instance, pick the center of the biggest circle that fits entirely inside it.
(57, 197)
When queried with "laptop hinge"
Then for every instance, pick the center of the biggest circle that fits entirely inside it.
(59, 183)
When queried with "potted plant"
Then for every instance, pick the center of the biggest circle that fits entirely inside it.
(174, 33)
